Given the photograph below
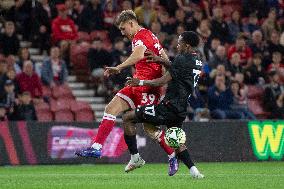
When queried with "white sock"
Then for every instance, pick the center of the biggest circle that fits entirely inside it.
(135, 156)
(97, 146)
(172, 155)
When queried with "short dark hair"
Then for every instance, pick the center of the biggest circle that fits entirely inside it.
(191, 38)
(125, 16)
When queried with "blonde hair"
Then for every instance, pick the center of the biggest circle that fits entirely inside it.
(125, 16)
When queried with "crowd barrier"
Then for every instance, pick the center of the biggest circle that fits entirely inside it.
(31, 143)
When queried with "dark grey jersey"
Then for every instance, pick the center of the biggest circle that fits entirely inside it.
(185, 71)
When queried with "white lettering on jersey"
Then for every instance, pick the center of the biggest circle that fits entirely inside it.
(196, 76)
(138, 43)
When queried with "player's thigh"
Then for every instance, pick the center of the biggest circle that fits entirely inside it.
(152, 131)
(116, 106)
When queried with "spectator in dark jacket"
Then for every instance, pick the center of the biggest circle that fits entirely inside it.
(8, 96)
(219, 27)
(25, 110)
(220, 100)
(42, 14)
(9, 41)
(54, 70)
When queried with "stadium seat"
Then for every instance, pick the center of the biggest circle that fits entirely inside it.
(44, 116)
(255, 92)
(60, 104)
(46, 91)
(78, 55)
(64, 115)
(79, 105)
(84, 36)
(62, 91)
(85, 116)
(101, 34)
(42, 107)
(256, 107)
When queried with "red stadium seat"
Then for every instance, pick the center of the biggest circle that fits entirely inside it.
(84, 36)
(79, 105)
(78, 55)
(60, 104)
(101, 34)
(46, 91)
(85, 116)
(62, 91)
(42, 107)
(255, 92)
(256, 107)
(44, 116)
(64, 115)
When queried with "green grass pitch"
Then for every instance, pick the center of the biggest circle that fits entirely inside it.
(111, 176)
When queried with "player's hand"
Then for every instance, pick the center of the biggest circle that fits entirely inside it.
(111, 70)
(132, 81)
(151, 57)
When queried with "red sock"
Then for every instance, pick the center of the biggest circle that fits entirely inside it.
(163, 144)
(105, 128)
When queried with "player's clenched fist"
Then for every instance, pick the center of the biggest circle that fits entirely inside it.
(111, 70)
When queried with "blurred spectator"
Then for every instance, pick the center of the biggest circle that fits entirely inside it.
(241, 48)
(274, 43)
(3, 71)
(204, 30)
(277, 64)
(64, 48)
(126, 5)
(282, 39)
(156, 28)
(235, 64)
(220, 100)
(235, 25)
(42, 15)
(25, 110)
(145, 13)
(257, 44)
(54, 70)
(278, 112)
(255, 74)
(80, 16)
(240, 101)
(12, 64)
(63, 27)
(270, 24)
(219, 27)
(219, 58)
(194, 21)
(252, 25)
(9, 41)
(8, 96)
(196, 109)
(210, 51)
(20, 14)
(24, 55)
(273, 93)
(166, 26)
(109, 15)
(118, 49)
(29, 81)
(95, 15)
(98, 58)
(3, 116)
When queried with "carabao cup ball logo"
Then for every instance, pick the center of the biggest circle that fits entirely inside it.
(174, 137)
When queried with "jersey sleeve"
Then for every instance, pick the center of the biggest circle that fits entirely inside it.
(139, 40)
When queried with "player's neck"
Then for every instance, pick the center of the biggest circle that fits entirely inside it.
(137, 29)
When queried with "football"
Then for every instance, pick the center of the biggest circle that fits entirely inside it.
(174, 137)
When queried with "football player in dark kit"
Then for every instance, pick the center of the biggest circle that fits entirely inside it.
(182, 77)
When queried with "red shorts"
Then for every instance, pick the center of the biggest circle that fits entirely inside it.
(139, 96)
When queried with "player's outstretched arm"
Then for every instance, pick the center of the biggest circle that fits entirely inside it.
(153, 83)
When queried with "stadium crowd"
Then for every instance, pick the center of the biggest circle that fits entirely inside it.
(242, 46)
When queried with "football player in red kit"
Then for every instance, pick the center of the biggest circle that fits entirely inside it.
(132, 97)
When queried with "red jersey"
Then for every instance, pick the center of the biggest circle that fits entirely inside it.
(147, 70)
